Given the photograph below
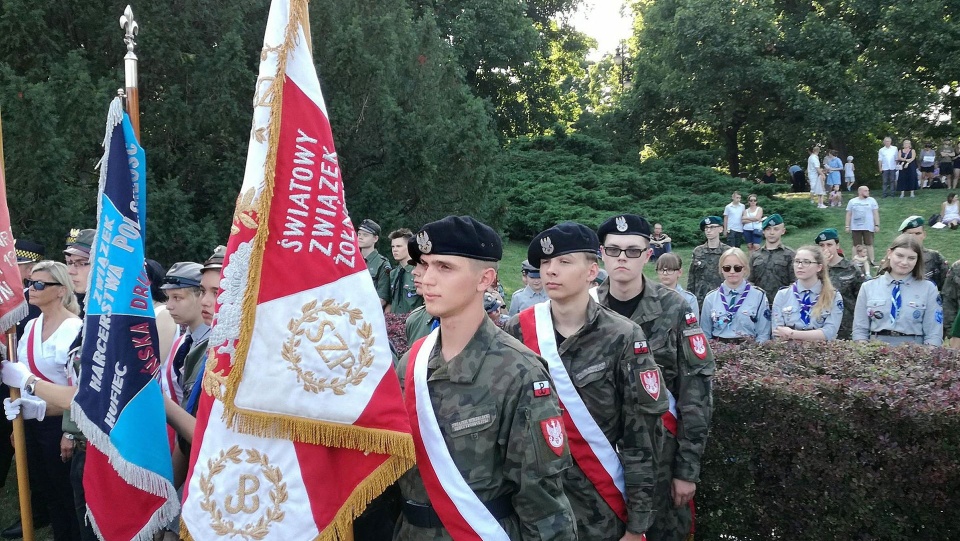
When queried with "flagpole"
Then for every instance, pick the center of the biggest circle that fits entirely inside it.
(130, 61)
(19, 437)
(20, 448)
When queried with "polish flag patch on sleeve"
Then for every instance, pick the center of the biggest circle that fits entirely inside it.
(541, 388)
(691, 318)
(640, 347)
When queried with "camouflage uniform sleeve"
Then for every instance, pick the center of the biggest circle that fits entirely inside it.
(383, 280)
(694, 401)
(951, 295)
(940, 273)
(693, 277)
(534, 464)
(512, 327)
(642, 436)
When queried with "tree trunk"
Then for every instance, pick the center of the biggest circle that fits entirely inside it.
(732, 148)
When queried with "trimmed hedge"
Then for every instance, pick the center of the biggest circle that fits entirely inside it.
(547, 180)
(838, 440)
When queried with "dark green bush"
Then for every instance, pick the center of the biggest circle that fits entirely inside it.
(546, 180)
(834, 441)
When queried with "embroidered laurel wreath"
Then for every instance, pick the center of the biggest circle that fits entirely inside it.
(354, 370)
(278, 494)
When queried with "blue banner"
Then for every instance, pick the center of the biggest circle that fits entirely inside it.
(119, 404)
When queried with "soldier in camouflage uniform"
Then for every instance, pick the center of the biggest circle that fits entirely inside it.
(704, 270)
(481, 385)
(367, 236)
(771, 267)
(951, 297)
(403, 293)
(687, 364)
(934, 264)
(604, 355)
(844, 275)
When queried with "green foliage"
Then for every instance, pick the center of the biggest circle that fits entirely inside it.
(547, 180)
(836, 440)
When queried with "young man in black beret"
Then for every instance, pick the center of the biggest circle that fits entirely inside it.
(487, 430)
(685, 359)
(608, 382)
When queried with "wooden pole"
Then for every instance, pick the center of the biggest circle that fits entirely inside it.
(20, 449)
(130, 61)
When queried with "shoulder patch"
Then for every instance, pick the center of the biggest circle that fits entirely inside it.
(691, 318)
(554, 434)
(640, 347)
(541, 388)
(650, 379)
(766, 314)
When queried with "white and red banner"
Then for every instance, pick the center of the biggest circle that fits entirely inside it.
(594, 454)
(301, 421)
(13, 303)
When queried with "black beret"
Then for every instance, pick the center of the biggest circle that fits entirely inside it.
(370, 226)
(625, 224)
(565, 238)
(457, 235)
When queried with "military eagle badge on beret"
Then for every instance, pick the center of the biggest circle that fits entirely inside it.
(423, 242)
(546, 245)
(621, 223)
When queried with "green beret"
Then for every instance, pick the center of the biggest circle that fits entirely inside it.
(773, 219)
(710, 220)
(911, 222)
(827, 234)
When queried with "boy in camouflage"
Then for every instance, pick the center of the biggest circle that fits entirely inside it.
(482, 385)
(771, 267)
(704, 274)
(684, 357)
(614, 380)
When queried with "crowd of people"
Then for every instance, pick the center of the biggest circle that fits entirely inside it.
(630, 358)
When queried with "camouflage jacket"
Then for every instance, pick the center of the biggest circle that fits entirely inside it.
(951, 296)
(403, 294)
(772, 269)
(847, 279)
(935, 267)
(671, 328)
(491, 423)
(379, 269)
(605, 359)
(704, 274)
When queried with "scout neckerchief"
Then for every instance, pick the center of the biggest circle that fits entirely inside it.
(897, 301)
(733, 306)
(461, 511)
(594, 454)
(33, 349)
(805, 302)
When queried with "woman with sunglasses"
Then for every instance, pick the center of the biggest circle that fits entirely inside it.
(900, 306)
(44, 351)
(752, 219)
(810, 309)
(736, 312)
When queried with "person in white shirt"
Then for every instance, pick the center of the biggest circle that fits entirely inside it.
(815, 175)
(733, 221)
(887, 161)
(863, 219)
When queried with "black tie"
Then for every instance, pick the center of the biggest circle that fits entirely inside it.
(181, 356)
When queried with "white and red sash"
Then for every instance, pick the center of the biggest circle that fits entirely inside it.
(594, 454)
(33, 349)
(461, 511)
(168, 380)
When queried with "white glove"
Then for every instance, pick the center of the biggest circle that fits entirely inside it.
(33, 407)
(15, 374)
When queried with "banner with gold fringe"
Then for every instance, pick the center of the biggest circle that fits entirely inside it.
(299, 379)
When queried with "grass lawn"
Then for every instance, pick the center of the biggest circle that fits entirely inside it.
(892, 212)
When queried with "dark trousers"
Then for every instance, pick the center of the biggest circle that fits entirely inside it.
(52, 476)
(79, 499)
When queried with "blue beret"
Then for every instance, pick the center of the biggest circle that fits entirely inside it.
(624, 224)
(457, 235)
(564, 238)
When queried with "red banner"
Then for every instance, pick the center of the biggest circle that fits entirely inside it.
(13, 305)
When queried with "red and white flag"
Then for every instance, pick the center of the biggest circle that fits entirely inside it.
(13, 304)
(301, 421)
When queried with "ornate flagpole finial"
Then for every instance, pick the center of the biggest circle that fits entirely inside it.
(131, 28)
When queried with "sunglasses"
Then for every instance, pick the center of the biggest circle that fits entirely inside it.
(40, 285)
(632, 253)
(734, 268)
